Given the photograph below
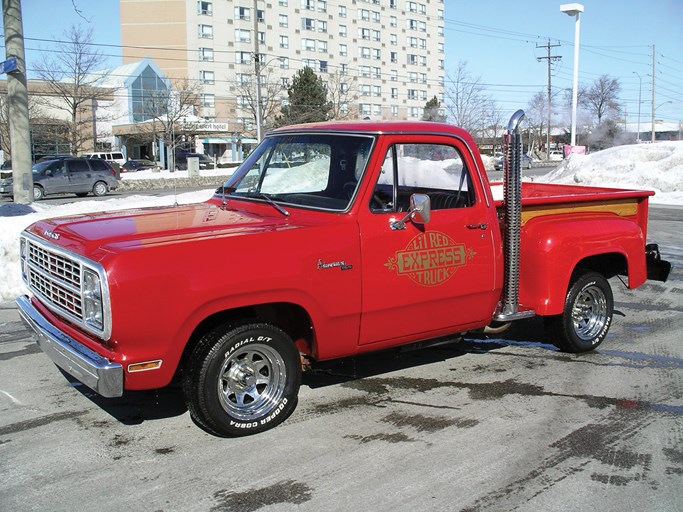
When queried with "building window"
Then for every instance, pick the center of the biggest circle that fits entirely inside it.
(309, 5)
(365, 90)
(243, 78)
(261, 16)
(208, 100)
(377, 90)
(205, 8)
(364, 33)
(282, 3)
(423, 44)
(377, 109)
(375, 16)
(243, 57)
(322, 26)
(375, 35)
(342, 11)
(394, 57)
(377, 72)
(393, 39)
(284, 83)
(393, 75)
(284, 62)
(411, 59)
(342, 30)
(343, 69)
(308, 44)
(283, 20)
(206, 54)
(307, 24)
(343, 50)
(206, 31)
(322, 46)
(394, 111)
(322, 5)
(242, 13)
(242, 35)
(411, 6)
(206, 77)
(394, 93)
(422, 26)
(323, 66)
(377, 54)
(363, 14)
(364, 52)
(393, 21)
(392, 4)
(439, 47)
(364, 71)
(284, 42)
(411, 24)
(364, 109)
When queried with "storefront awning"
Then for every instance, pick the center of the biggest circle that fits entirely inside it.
(216, 140)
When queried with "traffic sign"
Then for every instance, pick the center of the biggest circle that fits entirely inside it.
(9, 65)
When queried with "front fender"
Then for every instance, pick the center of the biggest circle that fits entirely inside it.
(552, 248)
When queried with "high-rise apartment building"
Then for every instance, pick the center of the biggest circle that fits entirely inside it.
(382, 59)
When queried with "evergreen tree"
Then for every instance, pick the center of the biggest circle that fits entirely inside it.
(432, 111)
(307, 100)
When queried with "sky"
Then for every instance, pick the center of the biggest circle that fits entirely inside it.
(501, 42)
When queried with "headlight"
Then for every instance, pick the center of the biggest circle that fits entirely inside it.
(93, 309)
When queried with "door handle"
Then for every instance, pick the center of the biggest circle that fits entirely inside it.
(481, 226)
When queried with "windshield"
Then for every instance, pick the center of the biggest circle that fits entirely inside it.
(313, 170)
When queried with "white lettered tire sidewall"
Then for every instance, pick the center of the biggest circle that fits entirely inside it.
(243, 379)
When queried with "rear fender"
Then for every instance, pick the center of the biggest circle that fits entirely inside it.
(552, 248)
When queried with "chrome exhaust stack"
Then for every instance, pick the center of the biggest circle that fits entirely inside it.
(509, 308)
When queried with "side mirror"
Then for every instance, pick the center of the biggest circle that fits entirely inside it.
(419, 212)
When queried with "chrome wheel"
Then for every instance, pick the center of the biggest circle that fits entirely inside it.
(100, 188)
(251, 381)
(589, 313)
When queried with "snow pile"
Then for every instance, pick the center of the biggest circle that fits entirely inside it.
(657, 167)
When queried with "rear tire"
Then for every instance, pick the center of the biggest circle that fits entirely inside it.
(38, 193)
(587, 314)
(100, 189)
(242, 379)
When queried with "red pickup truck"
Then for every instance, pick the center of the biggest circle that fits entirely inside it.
(330, 240)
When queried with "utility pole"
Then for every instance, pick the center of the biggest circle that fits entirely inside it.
(257, 69)
(17, 98)
(549, 58)
(654, 74)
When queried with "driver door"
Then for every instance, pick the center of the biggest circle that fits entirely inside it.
(428, 279)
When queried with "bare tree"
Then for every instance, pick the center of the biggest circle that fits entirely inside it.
(272, 89)
(536, 118)
(74, 82)
(465, 99)
(171, 113)
(342, 91)
(601, 98)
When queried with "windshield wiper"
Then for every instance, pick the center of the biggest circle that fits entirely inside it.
(268, 198)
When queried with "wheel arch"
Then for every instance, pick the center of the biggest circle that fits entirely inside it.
(292, 318)
(554, 250)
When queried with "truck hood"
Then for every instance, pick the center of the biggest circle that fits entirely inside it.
(129, 229)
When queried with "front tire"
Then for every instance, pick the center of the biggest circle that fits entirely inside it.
(242, 379)
(38, 193)
(587, 314)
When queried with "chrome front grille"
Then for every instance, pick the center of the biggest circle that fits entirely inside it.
(56, 278)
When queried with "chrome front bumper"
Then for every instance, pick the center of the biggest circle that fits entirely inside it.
(93, 370)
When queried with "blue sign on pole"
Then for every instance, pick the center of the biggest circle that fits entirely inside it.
(9, 65)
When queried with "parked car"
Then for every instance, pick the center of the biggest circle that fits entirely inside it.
(139, 164)
(6, 169)
(525, 162)
(109, 156)
(556, 155)
(74, 175)
(205, 161)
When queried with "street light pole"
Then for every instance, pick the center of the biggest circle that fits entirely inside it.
(640, 88)
(574, 10)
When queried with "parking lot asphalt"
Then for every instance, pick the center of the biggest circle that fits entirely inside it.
(492, 423)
